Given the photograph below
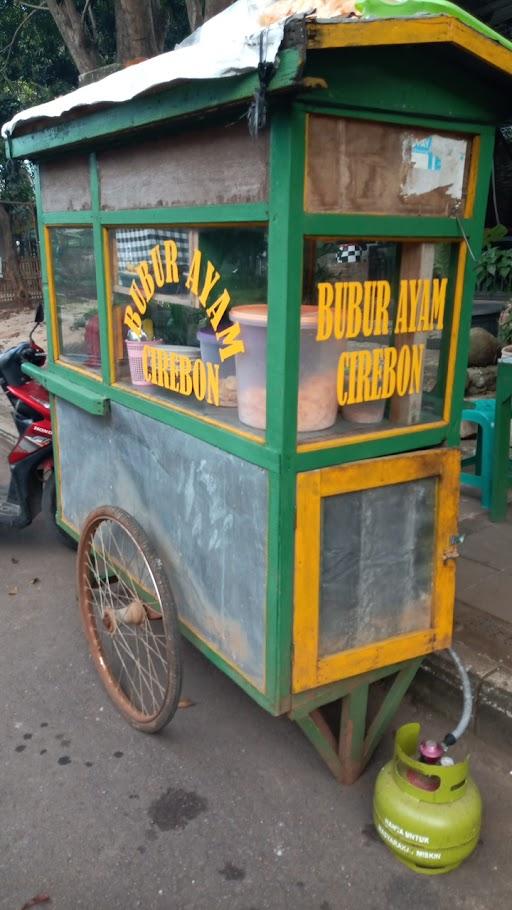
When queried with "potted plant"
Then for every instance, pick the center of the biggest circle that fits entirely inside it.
(493, 280)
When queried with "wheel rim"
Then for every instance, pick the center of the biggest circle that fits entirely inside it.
(124, 619)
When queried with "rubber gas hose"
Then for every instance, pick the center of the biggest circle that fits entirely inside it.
(467, 706)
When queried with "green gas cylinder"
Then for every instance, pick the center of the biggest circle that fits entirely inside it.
(428, 815)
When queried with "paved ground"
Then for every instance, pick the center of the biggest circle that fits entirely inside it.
(227, 808)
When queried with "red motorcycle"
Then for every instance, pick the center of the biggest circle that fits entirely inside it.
(32, 481)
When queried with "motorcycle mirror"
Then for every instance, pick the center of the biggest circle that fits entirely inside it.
(39, 314)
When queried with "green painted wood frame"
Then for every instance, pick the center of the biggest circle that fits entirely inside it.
(182, 100)
(287, 226)
(346, 750)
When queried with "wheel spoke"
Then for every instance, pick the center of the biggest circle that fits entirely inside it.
(129, 618)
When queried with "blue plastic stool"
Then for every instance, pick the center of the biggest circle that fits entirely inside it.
(483, 413)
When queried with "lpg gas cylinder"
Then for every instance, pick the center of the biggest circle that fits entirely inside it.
(429, 815)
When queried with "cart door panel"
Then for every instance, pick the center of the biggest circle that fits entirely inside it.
(374, 581)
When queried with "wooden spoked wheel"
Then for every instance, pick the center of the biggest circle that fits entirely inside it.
(129, 618)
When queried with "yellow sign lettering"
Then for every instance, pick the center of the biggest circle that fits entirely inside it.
(213, 383)
(355, 316)
(192, 281)
(343, 364)
(418, 351)
(132, 320)
(137, 298)
(232, 344)
(185, 367)
(211, 279)
(158, 269)
(439, 286)
(216, 311)
(325, 317)
(146, 280)
(172, 275)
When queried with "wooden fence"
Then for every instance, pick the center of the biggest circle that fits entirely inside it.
(31, 275)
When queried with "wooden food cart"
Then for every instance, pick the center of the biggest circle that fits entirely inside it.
(257, 350)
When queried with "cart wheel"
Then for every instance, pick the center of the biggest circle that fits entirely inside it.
(130, 618)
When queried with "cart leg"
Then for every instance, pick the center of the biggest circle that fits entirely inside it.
(348, 750)
(352, 733)
(324, 741)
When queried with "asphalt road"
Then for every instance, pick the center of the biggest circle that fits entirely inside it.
(228, 807)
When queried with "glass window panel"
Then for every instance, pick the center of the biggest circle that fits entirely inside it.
(375, 330)
(76, 298)
(377, 564)
(383, 169)
(189, 319)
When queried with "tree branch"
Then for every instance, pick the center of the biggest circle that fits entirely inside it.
(31, 5)
(85, 9)
(8, 48)
(84, 53)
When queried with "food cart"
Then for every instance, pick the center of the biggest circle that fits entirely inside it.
(257, 351)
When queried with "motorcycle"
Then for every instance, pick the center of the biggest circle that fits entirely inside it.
(31, 487)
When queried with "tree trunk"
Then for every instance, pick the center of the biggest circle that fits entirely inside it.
(71, 26)
(140, 29)
(194, 13)
(212, 7)
(199, 11)
(12, 270)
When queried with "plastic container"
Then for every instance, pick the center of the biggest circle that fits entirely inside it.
(364, 412)
(318, 404)
(135, 349)
(181, 350)
(227, 379)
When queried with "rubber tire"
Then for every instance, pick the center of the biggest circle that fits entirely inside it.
(171, 624)
(49, 509)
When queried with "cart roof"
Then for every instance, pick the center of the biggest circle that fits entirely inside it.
(233, 44)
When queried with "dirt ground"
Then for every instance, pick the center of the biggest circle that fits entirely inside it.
(15, 326)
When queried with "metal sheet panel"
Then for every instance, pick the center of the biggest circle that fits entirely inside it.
(204, 509)
(377, 564)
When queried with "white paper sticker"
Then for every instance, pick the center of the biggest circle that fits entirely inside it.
(433, 162)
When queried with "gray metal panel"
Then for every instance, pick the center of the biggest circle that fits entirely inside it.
(377, 564)
(205, 511)
(65, 184)
(218, 165)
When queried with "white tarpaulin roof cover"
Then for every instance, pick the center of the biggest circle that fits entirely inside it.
(227, 45)
(232, 43)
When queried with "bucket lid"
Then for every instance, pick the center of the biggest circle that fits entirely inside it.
(257, 314)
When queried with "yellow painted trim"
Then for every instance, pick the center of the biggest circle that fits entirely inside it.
(448, 492)
(379, 472)
(305, 181)
(474, 164)
(369, 437)
(428, 30)
(361, 660)
(307, 574)
(108, 291)
(190, 413)
(82, 370)
(310, 670)
(227, 660)
(457, 310)
(54, 322)
(51, 293)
